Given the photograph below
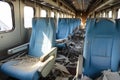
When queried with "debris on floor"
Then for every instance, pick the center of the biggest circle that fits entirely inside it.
(66, 61)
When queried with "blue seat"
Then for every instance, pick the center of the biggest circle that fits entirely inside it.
(101, 47)
(66, 26)
(74, 23)
(77, 22)
(41, 55)
(89, 22)
(62, 31)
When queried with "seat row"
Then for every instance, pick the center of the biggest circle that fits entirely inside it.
(66, 27)
(41, 55)
(101, 50)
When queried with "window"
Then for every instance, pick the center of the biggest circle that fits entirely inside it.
(110, 14)
(61, 15)
(65, 16)
(104, 14)
(6, 22)
(43, 13)
(52, 14)
(28, 15)
(58, 15)
(118, 14)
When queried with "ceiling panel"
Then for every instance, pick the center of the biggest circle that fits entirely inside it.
(79, 5)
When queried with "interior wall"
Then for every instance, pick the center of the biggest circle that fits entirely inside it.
(17, 36)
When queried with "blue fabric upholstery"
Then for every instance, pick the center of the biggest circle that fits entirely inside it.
(26, 72)
(74, 23)
(45, 36)
(40, 43)
(65, 28)
(71, 26)
(62, 31)
(101, 47)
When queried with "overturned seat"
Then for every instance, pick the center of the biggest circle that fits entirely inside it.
(41, 55)
(101, 48)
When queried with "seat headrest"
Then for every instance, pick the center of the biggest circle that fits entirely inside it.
(101, 26)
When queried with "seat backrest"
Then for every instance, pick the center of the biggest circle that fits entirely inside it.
(63, 29)
(74, 23)
(71, 25)
(101, 47)
(42, 37)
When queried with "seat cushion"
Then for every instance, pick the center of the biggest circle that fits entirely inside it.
(22, 69)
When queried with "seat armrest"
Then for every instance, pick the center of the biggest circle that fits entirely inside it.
(18, 48)
(47, 55)
(79, 68)
(47, 62)
(43, 64)
(46, 66)
(61, 40)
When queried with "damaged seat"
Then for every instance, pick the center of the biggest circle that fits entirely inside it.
(41, 55)
(101, 47)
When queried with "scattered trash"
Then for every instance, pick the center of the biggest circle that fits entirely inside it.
(66, 61)
(61, 68)
(108, 75)
(61, 78)
(85, 78)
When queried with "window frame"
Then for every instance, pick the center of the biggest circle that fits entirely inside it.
(12, 17)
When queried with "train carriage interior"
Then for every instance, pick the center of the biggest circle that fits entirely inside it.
(59, 39)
